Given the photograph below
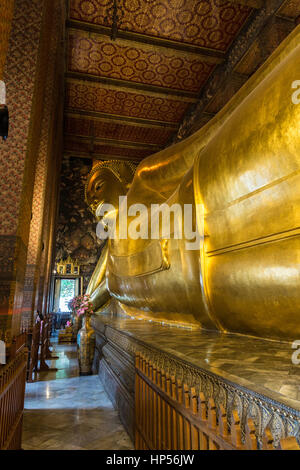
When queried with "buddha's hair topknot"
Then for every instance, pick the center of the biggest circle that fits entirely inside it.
(115, 166)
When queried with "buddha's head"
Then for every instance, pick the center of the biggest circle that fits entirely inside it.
(106, 182)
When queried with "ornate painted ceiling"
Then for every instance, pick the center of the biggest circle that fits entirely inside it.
(137, 70)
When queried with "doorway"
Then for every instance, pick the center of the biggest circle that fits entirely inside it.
(66, 287)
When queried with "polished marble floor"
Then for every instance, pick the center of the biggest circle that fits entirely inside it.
(64, 411)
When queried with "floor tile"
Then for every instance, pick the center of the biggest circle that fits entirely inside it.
(64, 411)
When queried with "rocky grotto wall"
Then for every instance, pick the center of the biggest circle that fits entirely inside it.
(76, 228)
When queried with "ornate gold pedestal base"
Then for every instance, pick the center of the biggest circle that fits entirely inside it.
(86, 347)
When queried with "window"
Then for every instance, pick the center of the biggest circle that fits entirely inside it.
(67, 292)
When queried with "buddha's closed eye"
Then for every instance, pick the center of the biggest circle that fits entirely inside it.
(99, 186)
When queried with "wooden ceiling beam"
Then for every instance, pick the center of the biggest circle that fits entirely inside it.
(161, 93)
(131, 85)
(211, 56)
(115, 120)
(96, 156)
(113, 142)
(249, 3)
(122, 119)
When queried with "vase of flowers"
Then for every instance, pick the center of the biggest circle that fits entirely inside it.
(86, 337)
(76, 319)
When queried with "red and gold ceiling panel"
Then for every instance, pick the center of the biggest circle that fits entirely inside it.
(122, 132)
(98, 56)
(130, 82)
(207, 23)
(96, 98)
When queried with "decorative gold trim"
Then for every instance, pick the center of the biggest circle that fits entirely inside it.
(68, 266)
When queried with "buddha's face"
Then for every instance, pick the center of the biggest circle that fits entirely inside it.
(103, 188)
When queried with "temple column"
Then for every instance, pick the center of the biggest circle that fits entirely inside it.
(46, 177)
(25, 75)
(51, 206)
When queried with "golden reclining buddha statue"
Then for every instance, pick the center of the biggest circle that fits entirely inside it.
(241, 173)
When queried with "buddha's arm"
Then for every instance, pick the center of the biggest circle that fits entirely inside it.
(100, 295)
(98, 275)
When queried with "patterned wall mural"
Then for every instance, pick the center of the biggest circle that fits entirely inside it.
(76, 229)
(212, 23)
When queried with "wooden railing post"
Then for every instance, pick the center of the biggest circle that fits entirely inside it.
(174, 414)
(194, 429)
(212, 422)
(164, 413)
(180, 418)
(235, 431)
(34, 351)
(169, 413)
(159, 411)
(289, 443)
(137, 403)
(155, 410)
(250, 439)
(187, 427)
(43, 340)
(48, 332)
(44, 343)
(223, 424)
(268, 440)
